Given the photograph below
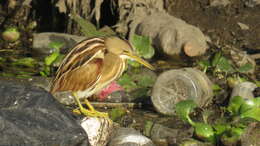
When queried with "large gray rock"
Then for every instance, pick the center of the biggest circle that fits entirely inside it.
(172, 35)
(41, 41)
(30, 116)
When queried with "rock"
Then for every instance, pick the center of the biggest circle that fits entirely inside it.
(171, 136)
(30, 116)
(129, 137)
(215, 3)
(99, 130)
(41, 41)
(43, 82)
(171, 35)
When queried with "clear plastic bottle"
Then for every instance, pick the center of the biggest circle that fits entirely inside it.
(180, 84)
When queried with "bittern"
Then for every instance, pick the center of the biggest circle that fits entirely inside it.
(90, 66)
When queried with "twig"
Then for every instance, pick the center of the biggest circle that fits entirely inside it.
(114, 105)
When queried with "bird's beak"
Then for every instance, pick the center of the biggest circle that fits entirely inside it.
(140, 60)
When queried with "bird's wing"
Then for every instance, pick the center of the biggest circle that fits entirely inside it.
(81, 68)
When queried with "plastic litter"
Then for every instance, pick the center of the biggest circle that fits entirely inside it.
(180, 84)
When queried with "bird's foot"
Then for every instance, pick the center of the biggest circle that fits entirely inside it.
(91, 112)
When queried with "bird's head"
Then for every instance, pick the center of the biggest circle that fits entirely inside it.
(124, 49)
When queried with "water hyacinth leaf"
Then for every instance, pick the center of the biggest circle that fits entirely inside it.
(51, 58)
(134, 63)
(237, 131)
(127, 82)
(42, 73)
(145, 81)
(204, 64)
(147, 128)
(253, 113)
(56, 45)
(116, 113)
(143, 46)
(235, 104)
(2, 59)
(58, 60)
(249, 104)
(245, 68)
(139, 92)
(205, 132)
(257, 83)
(26, 62)
(251, 109)
(216, 87)
(216, 59)
(184, 108)
(221, 128)
(224, 65)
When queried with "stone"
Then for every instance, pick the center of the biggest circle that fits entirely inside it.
(41, 41)
(170, 35)
(30, 116)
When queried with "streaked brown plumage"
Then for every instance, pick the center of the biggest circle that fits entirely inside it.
(91, 65)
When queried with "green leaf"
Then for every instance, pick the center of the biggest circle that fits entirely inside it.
(2, 60)
(221, 128)
(184, 108)
(148, 127)
(245, 68)
(116, 113)
(42, 73)
(27, 62)
(56, 45)
(216, 87)
(145, 81)
(234, 105)
(216, 59)
(204, 63)
(133, 63)
(224, 65)
(143, 46)
(250, 109)
(249, 104)
(238, 131)
(253, 113)
(127, 82)
(257, 83)
(51, 58)
(139, 92)
(46, 71)
(205, 132)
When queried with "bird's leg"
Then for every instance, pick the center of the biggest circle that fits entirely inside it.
(91, 112)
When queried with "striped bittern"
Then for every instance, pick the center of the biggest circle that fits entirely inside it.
(90, 66)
